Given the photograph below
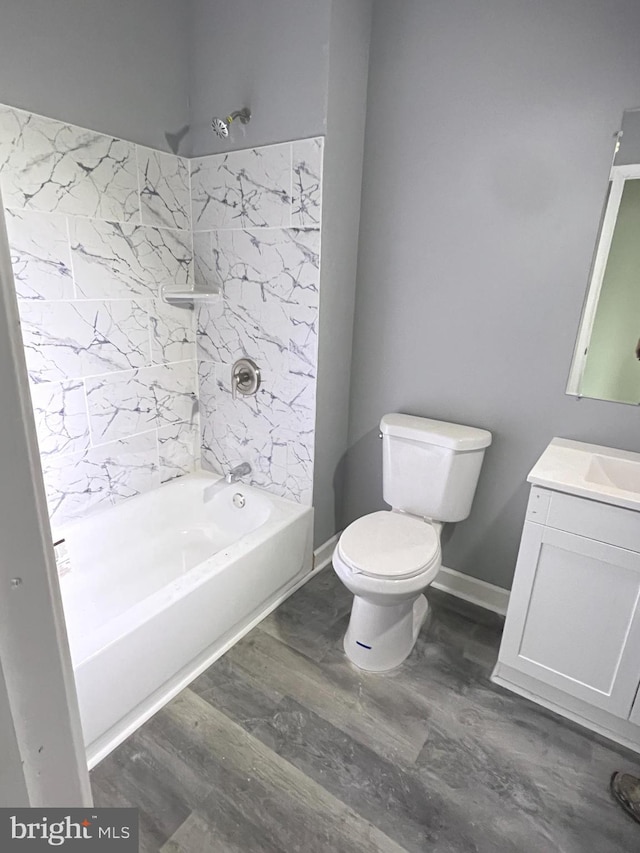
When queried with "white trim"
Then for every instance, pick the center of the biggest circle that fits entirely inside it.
(13, 784)
(618, 176)
(322, 555)
(100, 748)
(630, 171)
(222, 152)
(40, 731)
(473, 590)
(595, 285)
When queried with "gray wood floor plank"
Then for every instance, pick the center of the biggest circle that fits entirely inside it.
(133, 778)
(417, 813)
(244, 698)
(394, 725)
(224, 824)
(107, 794)
(223, 828)
(294, 813)
(312, 621)
(282, 745)
(379, 790)
(536, 766)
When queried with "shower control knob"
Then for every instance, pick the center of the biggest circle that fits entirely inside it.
(245, 378)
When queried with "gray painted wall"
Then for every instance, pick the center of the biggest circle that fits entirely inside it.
(488, 147)
(270, 56)
(342, 180)
(119, 67)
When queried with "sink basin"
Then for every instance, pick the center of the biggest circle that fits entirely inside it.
(590, 471)
(618, 473)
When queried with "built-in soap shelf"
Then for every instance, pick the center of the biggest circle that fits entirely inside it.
(188, 298)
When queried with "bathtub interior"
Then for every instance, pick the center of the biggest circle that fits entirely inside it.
(124, 556)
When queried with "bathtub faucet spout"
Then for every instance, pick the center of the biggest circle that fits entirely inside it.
(235, 474)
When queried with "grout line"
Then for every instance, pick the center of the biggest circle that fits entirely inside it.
(110, 220)
(191, 230)
(256, 147)
(321, 176)
(191, 220)
(112, 441)
(138, 184)
(84, 299)
(86, 405)
(71, 264)
(151, 307)
(158, 454)
(259, 228)
(291, 184)
(133, 435)
(198, 438)
(101, 444)
(117, 372)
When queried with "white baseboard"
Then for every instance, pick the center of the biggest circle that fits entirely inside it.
(322, 554)
(471, 589)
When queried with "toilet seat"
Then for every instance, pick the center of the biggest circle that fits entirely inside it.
(389, 545)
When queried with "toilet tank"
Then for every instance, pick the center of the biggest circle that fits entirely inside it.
(431, 468)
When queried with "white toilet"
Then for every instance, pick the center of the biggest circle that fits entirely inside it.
(387, 559)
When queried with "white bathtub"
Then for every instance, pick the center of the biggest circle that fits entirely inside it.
(161, 585)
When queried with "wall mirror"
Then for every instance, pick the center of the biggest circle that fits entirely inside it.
(606, 359)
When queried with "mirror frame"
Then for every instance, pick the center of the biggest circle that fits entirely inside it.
(618, 176)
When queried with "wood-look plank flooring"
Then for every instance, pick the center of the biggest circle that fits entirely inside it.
(282, 746)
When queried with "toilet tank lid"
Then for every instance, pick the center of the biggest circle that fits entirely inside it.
(427, 431)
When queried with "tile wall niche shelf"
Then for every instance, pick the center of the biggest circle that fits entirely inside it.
(188, 298)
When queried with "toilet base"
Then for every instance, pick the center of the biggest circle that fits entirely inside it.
(381, 637)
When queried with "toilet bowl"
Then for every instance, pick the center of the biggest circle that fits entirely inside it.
(387, 559)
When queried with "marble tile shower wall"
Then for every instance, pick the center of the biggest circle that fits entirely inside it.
(96, 227)
(256, 239)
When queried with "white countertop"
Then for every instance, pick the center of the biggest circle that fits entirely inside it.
(577, 469)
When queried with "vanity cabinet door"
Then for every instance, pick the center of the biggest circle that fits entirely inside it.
(574, 619)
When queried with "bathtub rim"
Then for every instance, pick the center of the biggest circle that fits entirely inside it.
(284, 512)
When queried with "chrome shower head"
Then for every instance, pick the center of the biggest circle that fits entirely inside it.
(220, 126)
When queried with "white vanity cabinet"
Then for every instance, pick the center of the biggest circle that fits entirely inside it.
(572, 633)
